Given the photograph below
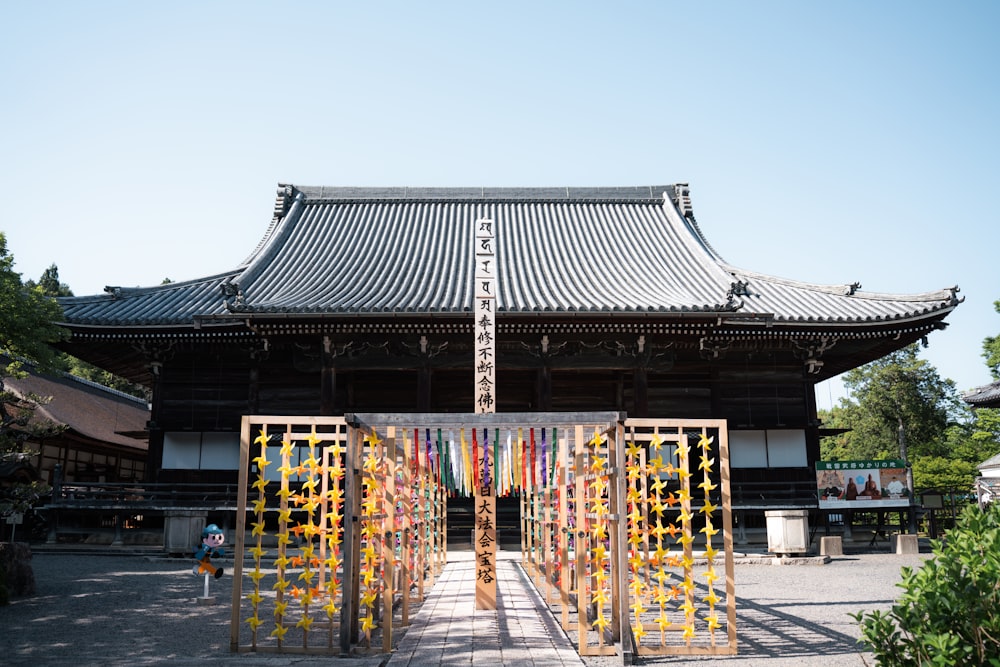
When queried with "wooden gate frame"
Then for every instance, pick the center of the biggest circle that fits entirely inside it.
(587, 528)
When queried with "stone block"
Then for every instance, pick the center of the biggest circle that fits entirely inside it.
(831, 545)
(904, 544)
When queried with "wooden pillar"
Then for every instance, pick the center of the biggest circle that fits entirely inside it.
(641, 397)
(154, 460)
(253, 389)
(424, 375)
(328, 381)
(543, 388)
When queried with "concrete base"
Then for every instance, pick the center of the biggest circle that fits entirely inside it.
(204, 602)
(800, 560)
(831, 545)
(904, 544)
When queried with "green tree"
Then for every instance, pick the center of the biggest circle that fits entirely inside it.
(991, 350)
(27, 332)
(27, 318)
(903, 407)
(900, 407)
(49, 283)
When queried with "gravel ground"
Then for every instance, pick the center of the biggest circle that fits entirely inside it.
(798, 615)
(125, 610)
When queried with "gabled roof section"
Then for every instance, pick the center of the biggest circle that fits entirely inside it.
(408, 251)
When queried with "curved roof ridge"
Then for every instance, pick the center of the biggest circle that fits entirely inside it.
(484, 194)
(121, 292)
(269, 246)
(853, 289)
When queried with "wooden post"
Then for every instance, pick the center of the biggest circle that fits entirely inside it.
(619, 542)
(241, 524)
(582, 544)
(484, 251)
(389, 541)
(727, 523)
(352, 541)
(563, 528)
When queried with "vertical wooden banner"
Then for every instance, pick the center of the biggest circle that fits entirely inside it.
(484, 326)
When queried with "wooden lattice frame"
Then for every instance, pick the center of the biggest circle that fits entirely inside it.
(352, 576)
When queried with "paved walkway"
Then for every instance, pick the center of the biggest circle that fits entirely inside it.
(448, 630)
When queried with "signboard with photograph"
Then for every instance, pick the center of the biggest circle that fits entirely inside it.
(862, 484)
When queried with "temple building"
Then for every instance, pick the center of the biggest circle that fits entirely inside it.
(362, 300)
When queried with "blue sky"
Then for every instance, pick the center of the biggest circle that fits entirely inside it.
(826, 142)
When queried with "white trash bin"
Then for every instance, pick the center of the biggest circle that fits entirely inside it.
(787, 531)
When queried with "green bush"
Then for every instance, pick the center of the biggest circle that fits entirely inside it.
(949, 612)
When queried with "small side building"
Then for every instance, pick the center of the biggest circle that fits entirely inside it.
(104, 437)
(988, 484)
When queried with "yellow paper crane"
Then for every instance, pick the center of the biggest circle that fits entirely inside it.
(600, 624)
(367, 623)
(708, 486)
(261, 460)
(682, 449)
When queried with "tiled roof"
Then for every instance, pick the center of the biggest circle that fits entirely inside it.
(89, 409)
(358, 251)
(991, 463)
(987, 396)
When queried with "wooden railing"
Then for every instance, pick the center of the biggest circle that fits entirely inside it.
(130, 496)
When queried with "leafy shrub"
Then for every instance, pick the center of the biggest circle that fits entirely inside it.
(949, 612)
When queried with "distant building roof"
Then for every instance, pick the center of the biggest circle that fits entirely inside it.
(348, 252)
(990, 464)
(987, 396)
(89, 409)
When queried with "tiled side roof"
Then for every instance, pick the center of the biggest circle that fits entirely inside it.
(356, 251)
(172, 304)
(90, 409)
(987, 396)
